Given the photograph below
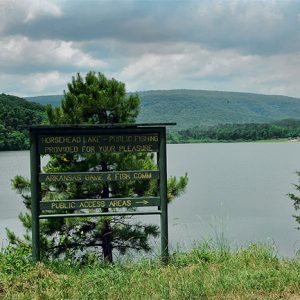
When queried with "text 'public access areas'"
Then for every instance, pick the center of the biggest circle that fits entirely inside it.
(99, 203)
(98, 176)
(90, 144)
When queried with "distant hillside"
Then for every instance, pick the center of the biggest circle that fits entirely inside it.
(54, 100)
(16, 115)
(278, 130)
(191, 108)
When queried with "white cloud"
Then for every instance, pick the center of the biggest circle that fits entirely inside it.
(34, 84)
(8, 9)
(146, 66)
(211, 44)
(196, 67)
(41, 82)
(16, 11)
(40, 8)
(19, 53)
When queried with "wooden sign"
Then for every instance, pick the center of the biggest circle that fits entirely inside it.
(83, 140)
(99, 203)
(98, 176)
(73, 144)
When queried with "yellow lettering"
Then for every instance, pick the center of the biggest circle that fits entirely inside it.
(61, 139)
(61, 149)
(122, 176)
(92, 204)
(93, 139)
(81, 205)
(136, 148)
(92, 177)
(120, 203)
(146, 138)
(88, 149)
(106, 148)
(142, 175)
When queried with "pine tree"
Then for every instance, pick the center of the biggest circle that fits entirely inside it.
(94, 100)
(296, 201)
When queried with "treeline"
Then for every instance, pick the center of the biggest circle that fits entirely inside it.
(16, 115)
(189, 108)
(239, 132)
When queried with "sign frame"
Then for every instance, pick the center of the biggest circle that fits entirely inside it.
(130, 138)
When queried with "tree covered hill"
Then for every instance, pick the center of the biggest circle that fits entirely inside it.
(284, 129)
(200, 115)
(191, 108)
(54, 100)
(16, 115)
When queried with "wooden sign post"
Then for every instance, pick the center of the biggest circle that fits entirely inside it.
(92, 139)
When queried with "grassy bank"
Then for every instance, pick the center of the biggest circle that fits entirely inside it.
(206, 272)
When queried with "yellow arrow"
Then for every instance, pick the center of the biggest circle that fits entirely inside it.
(143, 202)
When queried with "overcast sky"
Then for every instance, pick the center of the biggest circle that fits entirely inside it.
(234, 45)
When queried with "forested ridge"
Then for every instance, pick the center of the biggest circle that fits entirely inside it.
(189, 108)
(54, 100)
(16, 115)
(284, 129)
(201, 116)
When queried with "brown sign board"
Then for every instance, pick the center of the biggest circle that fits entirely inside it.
(98, 176)
(99, 203)
(98, 139)
(90, 144)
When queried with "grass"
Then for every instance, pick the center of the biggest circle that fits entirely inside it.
(207, 272)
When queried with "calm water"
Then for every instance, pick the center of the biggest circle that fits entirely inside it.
(235, 190)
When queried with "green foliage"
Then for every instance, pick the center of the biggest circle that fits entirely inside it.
(296, 201)
(95, 100)
(54, 100)
(16, 115)
(239, 132)
(176, 186)
(15, 260)
(254, 272)
(191, 108)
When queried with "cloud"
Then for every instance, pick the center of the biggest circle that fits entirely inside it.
(20, 54)
(40, 9)
(34, 84)
(43, 81)
(197, 67)
(251, 26)
(210, 44)
(23, 12)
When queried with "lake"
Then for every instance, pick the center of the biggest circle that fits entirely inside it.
(236, 192)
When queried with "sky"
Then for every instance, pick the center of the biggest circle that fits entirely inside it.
(229, 45)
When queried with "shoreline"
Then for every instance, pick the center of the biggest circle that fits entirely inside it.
(283, 140)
